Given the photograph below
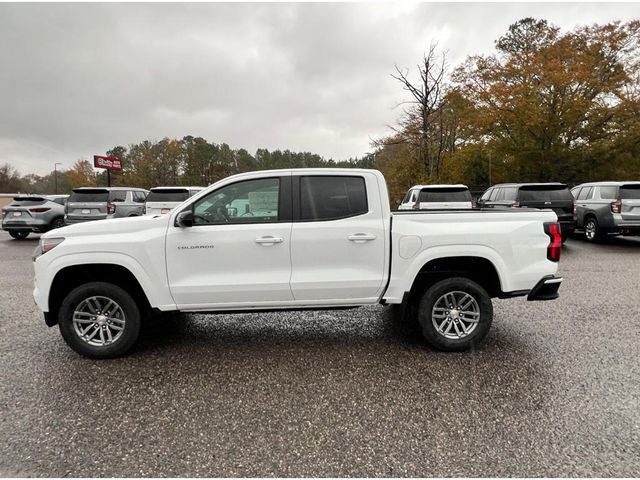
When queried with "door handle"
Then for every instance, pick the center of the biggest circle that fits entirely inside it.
(269, 240)
(361, 237)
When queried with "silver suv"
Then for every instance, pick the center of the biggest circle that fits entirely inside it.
(31, 213)
(91, 203)
(607, 208)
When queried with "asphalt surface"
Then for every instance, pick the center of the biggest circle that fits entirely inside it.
(554, 391)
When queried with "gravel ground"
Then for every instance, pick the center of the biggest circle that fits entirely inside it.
(554, 391)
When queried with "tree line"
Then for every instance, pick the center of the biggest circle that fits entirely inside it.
(545, 105)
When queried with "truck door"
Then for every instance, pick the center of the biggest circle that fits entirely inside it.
(338, 242)
(237, 253)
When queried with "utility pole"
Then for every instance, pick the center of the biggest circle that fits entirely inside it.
(490, 168)
(55, 175)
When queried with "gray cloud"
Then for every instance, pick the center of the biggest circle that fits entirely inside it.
(77, 79)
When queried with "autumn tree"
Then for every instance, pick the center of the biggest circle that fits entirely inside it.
(81, 174)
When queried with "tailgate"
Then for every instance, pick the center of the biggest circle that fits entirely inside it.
(630, 201)
(555, 197)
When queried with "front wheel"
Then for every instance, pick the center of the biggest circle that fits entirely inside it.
(455, 314)
(99, 320)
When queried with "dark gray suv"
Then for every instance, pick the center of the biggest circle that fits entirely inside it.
(91, 203)
(607, 208)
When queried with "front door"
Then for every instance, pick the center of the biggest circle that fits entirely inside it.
(236, 255)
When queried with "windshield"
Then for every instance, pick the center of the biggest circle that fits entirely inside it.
(89, 196)
(544, 193)
(168, 195)
(630, 192)
(453, 194)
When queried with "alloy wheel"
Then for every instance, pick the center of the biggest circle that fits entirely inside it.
(455, 315)
(99, 321)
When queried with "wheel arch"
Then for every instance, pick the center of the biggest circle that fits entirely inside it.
(477, 268)
(70, 277)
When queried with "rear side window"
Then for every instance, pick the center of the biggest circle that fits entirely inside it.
(117, 195)
(453, 194)
(630, 192)
(332, 197)
(608, 193)
(89, 196)
(168, 195)
(544, 194)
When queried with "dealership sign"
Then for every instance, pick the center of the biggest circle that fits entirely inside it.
(110, 163)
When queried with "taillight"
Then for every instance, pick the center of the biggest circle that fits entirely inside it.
(144, 210)
(575, 210)
(516, 204)
(39, 209)
(616, 207)
(554, 232)
(4, 211)
(416, 206)
(111, 208)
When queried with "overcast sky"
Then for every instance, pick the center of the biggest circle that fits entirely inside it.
(77, 79)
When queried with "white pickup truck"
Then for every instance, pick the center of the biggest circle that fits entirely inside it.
(294, 239)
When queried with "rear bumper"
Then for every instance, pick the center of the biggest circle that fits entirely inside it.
(567, 227)
(546, 288)
(33, 224)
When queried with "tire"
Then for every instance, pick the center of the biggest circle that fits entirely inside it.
(592, 232)
(19, 234)
(457, 339)
(57, 223)
(127, 317)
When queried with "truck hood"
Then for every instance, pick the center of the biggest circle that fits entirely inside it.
(113, 225)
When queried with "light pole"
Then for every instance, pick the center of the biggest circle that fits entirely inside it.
(55, 175)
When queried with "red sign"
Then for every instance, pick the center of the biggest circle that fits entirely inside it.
(110, 163)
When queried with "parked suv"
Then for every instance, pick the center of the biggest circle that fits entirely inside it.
(30, 213)
(607, 208)
(555, 196)
(421, 197)
(162, 200)
(91, 203)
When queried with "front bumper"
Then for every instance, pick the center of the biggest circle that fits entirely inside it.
(546, 289)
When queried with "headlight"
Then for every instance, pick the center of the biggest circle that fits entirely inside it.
(45, 245)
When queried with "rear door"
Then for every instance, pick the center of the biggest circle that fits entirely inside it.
(630, 199)
(87, 204)
(338, 239)
(556, 197)
(445, 197)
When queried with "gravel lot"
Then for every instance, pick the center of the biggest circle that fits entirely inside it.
(555, 390)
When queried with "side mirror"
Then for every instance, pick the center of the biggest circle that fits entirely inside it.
(184, 219)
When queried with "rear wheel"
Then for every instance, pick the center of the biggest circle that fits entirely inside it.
(591, 230)
(19, 234)
(455, 314)
(57, 223)
(99, 320)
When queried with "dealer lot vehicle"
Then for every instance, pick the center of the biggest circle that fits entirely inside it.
(607, 208)
(422, 197)
(555, 196)
(162, 200)
(309, 239)
(91, 203)
(33, 213)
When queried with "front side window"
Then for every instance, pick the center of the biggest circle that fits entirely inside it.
(485, 196)
(332, 197)
(585, 193)
(250, 201)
